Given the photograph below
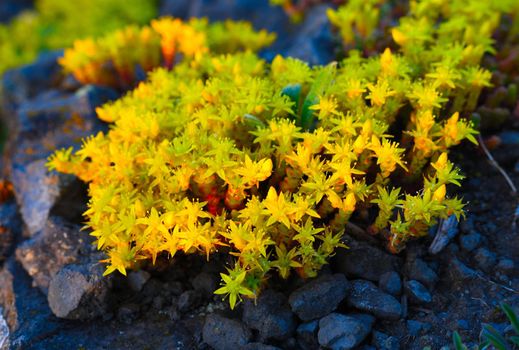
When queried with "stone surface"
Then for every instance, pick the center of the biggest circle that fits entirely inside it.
(189, 300)
(259, 346)
(79, 292)
(223, 333)
(314, 42)
(319, 297)
(25, 308)
(50, 121)
(506, 266)
(365, 296)
(416, 328)
(417, 292)
(460, 272)
(485, 259)
(10, 8)
(382, 341)
(307, 335)
(64, 264)
(137, 279)
(58, 244)
(470, 241)
(128, 313)
(364, 261)
(391, 283)
(10, 228)
(270, 315)
(418, 269)
(4, 333)
(21, 84)
(175, 8)
(206, 283)
(338, 331)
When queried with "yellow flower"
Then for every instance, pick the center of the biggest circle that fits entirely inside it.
(326, 107)
(355, 88)
(398, 36)
(441, 162)
(387, 154)
(439, 194)
(379, 93)
(387, 62)
(277, 208)
(255, 172)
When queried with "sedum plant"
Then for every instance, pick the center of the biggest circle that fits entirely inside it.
(54, 24)
(267, 162)
(117, 58)
(356, 20)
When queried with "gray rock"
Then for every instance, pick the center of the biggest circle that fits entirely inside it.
(467, 224)
(485, 259)
(509, 137)
(4, 333)
(21, 84)
(158, 302)
(463, 324)
(338, 331)
(460, 272)
(206, 283)
(367, 297)
(506, 265)
(418, 269)
(382, 341)
(223, 333)
(364, 261)
(182, 338)
(79, 292)
(11, 224)
(417, 293)
(11, 8)
(137, 279)
(61, 120)
(319, 297)
(128, 313)
(175, 8)
(391, 283)
(314, 43)
(470, 241)
(270, 316)
(259, 346)
(37, 192)
(306, 334)
(57, 245)
(189, 300)
(448, 229)
(25, 309)
(154, 287)
(416, 328)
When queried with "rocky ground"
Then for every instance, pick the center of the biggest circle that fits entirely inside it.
(52, 294)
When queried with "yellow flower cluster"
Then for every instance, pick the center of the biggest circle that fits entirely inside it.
(116, 59)
(269, 161)
(224, 157)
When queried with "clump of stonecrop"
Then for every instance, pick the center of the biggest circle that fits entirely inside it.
(270, 161)
(117, 58)
(266, 161)
(54, 24)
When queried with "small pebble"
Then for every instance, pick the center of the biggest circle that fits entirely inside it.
(470, 242)
(417, 292)
(391, 283)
